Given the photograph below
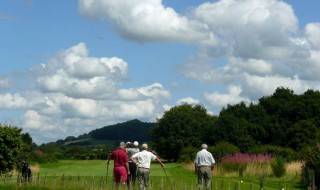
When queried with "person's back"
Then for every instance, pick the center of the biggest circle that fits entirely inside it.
(204, 164)
(121, 166)
(131, 150)
(143, 160)
(120, 157)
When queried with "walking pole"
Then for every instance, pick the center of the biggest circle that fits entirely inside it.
(107, 172)
(167, 178)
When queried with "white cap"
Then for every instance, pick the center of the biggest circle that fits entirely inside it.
(135, 143)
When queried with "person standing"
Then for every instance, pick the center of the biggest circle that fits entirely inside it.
(133, 149)
(143, 160)
(26, 172)
(121, 166)
(203, 165)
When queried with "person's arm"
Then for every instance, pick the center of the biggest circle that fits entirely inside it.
(158, 160)
(195, 167)
(133, 160)
(127, 167)
(109, 157)
(212, 167)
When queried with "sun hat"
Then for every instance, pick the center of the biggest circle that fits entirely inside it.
(135, 143)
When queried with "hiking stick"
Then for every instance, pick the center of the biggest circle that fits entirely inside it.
(167, 178)
(107, 172)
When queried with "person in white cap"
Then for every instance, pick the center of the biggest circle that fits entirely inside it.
(143, 160)
(131, 149)
(203, 165)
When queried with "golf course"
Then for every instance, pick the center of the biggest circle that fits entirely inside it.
(96, 175)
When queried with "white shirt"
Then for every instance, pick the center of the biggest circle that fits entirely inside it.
(204, 158)
(144, 158)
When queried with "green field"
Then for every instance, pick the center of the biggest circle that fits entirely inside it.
(92, 174)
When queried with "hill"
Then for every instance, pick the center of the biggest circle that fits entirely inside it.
(133, 130)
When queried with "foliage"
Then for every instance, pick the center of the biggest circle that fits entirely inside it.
(278, 166)
(187, 154)
(286, 153)
(282, 119)
(181, 126)
(311, 165)
(222, 149)
(11, 147)
(130, 130)
(302, 134)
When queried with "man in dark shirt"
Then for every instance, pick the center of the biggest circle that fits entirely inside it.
(121, 166)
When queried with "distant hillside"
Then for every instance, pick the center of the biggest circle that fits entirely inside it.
(133, 130)
(130, 130)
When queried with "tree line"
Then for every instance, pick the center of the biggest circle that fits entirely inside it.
(283, 119)
(283, 123)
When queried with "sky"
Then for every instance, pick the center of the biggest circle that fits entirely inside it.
(68, 67)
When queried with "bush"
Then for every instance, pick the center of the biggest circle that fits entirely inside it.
(222, 149)
(278, 166)
(311, 166)
(286, 153)
(187, 154)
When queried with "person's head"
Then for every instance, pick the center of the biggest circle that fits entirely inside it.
(144, 146)
(122, 145)
(135, 143)
(129, 144)
(204, 146)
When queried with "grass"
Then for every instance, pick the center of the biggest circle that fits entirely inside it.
(91, 174)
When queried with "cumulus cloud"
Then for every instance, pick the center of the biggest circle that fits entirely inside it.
(147, 20)
(232, 97)
(76, 74)
(188, 100)
(74, 93)
(12, 101)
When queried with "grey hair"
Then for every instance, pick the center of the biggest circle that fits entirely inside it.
(204, 146)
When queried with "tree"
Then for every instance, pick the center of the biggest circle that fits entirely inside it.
(301, 135)
(181, 126)
(11, 146)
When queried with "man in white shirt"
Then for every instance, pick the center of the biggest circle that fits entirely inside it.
(143, 160)
(203, 165)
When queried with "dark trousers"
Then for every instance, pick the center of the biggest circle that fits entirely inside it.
(133, 175)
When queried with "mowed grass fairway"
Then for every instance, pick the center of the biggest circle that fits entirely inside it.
(92, 174)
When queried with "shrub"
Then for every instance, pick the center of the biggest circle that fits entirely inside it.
(187, 154)
(278, 167)
(286, 153)
(222, 149)
(311, 166)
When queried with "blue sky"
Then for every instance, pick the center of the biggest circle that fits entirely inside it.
(67, 67)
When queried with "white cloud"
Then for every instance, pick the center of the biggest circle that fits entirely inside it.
(73, 93)
(257, 86)
(312, 32)
(12, 101)
(232, 97)
(77, 75)
(188, 100)
(147, 20)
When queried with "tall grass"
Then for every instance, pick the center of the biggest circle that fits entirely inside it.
(92, 176)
